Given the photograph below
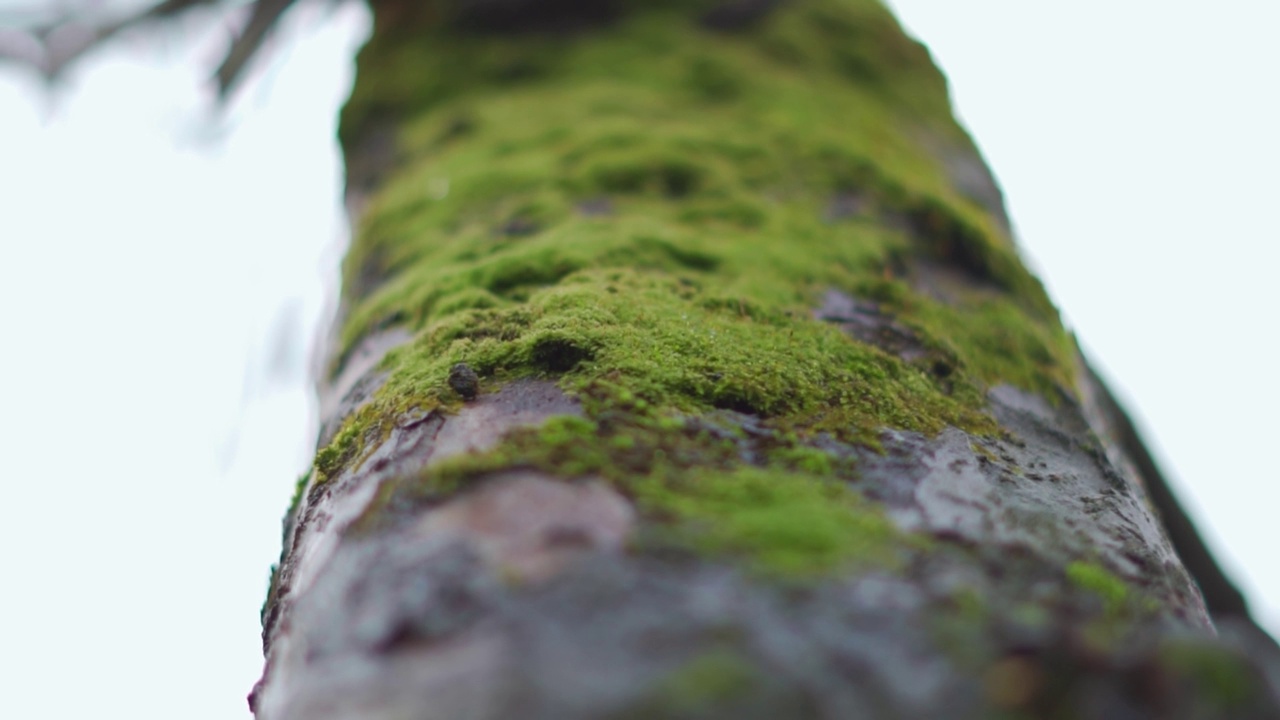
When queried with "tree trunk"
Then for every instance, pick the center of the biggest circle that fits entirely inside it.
(686, 369)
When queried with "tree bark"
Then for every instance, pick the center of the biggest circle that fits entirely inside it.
(686, 369)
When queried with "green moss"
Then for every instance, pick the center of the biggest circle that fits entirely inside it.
(299, 488)
(992, 340)
(783, 522)
(645, 205)
(344, 448)
(790, 514)
(805, 459)
(961, 624)
(622, 440)
(1114, 592)
(969, 605)
(1222, 677)
(678, 346)
(708, 680)
(273, 586)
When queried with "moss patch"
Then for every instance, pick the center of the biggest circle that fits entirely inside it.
(710, 679)
(299, 488)
(785, 522)
(717, 154)
(708, 161)
(767, 501)
(1223, 678)
(1114, 592)
(680, 346)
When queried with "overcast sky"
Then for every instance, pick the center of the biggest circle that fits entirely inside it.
(161, 275)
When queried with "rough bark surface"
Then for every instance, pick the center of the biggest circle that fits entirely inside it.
(686, 370)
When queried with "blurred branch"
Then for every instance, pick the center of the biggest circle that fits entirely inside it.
(264, 16)
(19, 47)
(49, 41)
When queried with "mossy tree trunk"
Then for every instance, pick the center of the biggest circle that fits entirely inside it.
(686, 369)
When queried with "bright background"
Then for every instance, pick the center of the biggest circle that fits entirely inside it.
(162, 273)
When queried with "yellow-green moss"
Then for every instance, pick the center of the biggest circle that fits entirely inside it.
(710, 679)
(716, 154)
(299, 488)
(646, 206)
(789, 515)
(1100, 581)
(1223, 678)
(997, 345)
(678, 346)
(782, 522)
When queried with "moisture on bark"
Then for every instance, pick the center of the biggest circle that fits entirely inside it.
(686, 369)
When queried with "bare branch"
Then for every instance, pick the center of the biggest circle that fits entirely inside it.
(21, 48)
(50, 41)
(265, 15)
(68, 40)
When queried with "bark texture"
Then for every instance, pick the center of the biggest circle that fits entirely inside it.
(686, 369)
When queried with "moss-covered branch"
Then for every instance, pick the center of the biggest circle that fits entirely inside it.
(716, 381)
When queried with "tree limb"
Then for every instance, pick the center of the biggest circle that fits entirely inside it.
(52, 44)
(265, 15)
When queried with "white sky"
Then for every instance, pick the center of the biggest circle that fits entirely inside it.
(160, 273)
